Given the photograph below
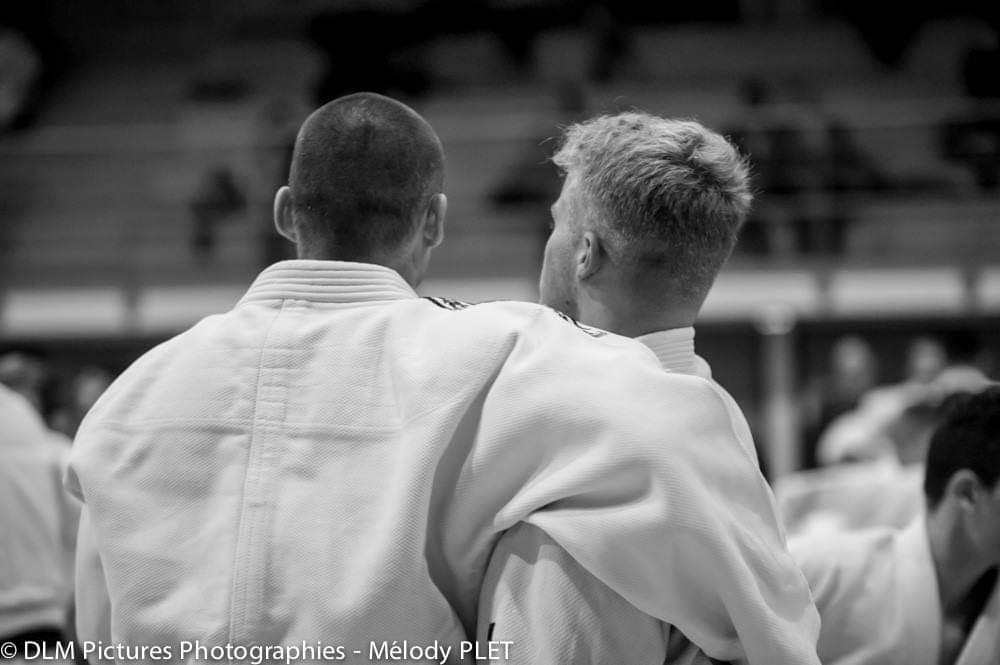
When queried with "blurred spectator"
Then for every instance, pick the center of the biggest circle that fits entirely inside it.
(849, 497)
(38, 522)
(884, 491)
(886, 437)
(20, 76)
(934, 365)
(974, 142)
(972, 139)
(279, 124)
(852, 372)
(926, 593)
(611, 39)
(864, 433)
(787, 167)
(773, 134)
(217, 199)
(26, 375)
(804, 160)
(849, 167)
(533, 182)
(86, 387)
(925, 358)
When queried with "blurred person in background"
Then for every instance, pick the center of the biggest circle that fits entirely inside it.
(934, 363)
(530, 184)
(852, 372)
(780, 139)
(38, 525)
(927, 593)
(338, 456)
(279, 123)
(863, 494)
(86, 386)
(925, 358)
(884, 490)
(218, 199)
(649, 211)
(20, 78)
(26, 375)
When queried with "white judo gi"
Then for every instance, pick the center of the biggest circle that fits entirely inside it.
(334, 459)
(537, 596)
(877, 595)
(37, 522)
(854, 496)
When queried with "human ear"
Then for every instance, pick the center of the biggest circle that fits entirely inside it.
(283, 214)
(590, 255)
(964, 487)
(433, 228)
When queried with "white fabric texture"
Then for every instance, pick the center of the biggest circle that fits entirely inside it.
(36, 518)
(850, 497)
(877, 595)
(335, 459)
(536, 596)
(674, 349)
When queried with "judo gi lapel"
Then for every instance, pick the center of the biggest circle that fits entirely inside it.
(983, 644)
(917, 597)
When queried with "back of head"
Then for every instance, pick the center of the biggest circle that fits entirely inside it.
(967, 438)
(669, 195)
(363, 168)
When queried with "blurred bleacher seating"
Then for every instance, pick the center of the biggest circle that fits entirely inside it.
(100, 191)
(140, 198)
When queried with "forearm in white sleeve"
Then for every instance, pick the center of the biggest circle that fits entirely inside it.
(540, 600)
(93, 606)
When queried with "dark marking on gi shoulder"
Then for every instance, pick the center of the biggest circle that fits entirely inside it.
(593, 332)
(448, 303)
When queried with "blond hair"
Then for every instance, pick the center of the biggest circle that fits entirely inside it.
(668, 194)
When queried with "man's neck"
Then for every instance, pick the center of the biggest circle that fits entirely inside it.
(957, 563)
(409, 270)
(632, 320)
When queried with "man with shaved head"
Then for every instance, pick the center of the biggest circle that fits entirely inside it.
(331, 463)
(366, 172)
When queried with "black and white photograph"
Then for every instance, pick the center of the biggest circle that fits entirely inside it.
(503, 332)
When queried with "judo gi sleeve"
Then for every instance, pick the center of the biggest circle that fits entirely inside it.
(551, 610)
(93, 606)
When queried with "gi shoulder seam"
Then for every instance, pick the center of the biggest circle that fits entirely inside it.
(456, 305)
(593, 332)
(448, 303)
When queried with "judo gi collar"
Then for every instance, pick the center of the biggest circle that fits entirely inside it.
(328, 281)
(674, 348)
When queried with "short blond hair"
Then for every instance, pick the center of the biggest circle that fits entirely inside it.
(670, 194)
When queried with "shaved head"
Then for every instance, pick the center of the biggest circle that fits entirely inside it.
(363, 170)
